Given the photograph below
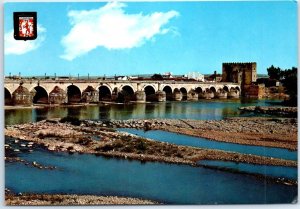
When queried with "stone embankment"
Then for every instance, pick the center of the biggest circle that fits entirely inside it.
(58, 199)
(281, 111)
(100, 139)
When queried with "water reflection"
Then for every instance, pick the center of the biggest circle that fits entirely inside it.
(201, 110)
(19, 116)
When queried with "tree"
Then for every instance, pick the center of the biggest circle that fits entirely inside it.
(274, 72)
(289, 81)
(157, 77)
(288, 78)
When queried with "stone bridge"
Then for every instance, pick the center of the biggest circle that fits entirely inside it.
(59, 91)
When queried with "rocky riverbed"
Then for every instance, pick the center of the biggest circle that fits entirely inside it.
(280, 111)
(101, 138)
(258, 131)
(58, 199)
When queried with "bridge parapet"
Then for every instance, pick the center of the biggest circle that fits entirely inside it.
(110, 90)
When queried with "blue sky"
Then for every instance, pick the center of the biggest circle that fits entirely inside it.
(151, 37)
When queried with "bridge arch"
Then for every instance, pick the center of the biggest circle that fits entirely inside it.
(106, 85)
(128, 87)
(41, 95)
(213, 89)
(7, 96)
(33, 86)
(105, 93)
(169, 92)
(73, 94)
(225, 88)
(126, 94)
(237, 88)
(149, 85)
(184, 93)
(150, 93)
(199, 90)
(167, 89)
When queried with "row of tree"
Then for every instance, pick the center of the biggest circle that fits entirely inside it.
(288, 78)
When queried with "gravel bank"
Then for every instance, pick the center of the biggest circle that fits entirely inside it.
(281, 111)
(57, 199)
(64, 137)
(270, 132)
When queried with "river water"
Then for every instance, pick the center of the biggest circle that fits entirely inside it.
(166, 183)
(200, 110)
(181, 139)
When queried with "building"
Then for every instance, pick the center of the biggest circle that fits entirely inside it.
(213, 77)
(255, 91)
(168, 75)
(196, 76)
(242, 73)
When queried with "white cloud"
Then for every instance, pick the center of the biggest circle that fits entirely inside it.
(112, 28)
(18, 47)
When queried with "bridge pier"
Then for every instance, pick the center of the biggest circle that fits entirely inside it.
(208, 95)
(114, 95)
(90, 95)
(58, 96)
(221, 94)
(192, 96)
(177, 96)
(161, 96)
(234, 94)
(21, 96)
(140, 96)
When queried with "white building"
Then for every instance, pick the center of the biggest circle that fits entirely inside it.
(168, 75)
(195, 75)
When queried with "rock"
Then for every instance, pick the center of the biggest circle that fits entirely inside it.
(51, 148)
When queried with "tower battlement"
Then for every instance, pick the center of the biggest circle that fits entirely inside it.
(243, 73)
(239, 63)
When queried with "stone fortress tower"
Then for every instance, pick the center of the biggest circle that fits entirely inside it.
(243, 73)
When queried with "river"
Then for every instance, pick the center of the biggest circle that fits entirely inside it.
(165, 183)
(200, 110)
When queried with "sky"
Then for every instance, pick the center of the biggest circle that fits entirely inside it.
(134, 38)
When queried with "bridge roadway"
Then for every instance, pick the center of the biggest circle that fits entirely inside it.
(18, 92)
